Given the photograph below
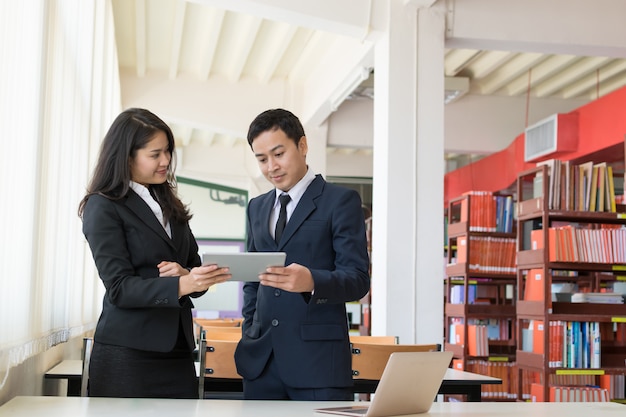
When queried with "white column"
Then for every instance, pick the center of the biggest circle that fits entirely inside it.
(316, 139)
(407, 247)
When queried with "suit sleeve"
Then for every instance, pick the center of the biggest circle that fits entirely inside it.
(111, 239)
(348, 279)
(193, 260)
(250, 289)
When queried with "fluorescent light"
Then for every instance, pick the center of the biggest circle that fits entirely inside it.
(351, 83)
(455, 88)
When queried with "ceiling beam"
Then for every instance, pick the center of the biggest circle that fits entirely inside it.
(243, 44)
(592, 82)
(514, 68)
(214, 22)
(345, 61)
(140, 36)
(485, 63)
(458, 59)
(576, 27)
(543, 71)
(282, 36)
(177, 37)
(570, 74)
(350, 18)
(215, 104)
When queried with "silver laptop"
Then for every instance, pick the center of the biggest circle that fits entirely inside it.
(409, 385)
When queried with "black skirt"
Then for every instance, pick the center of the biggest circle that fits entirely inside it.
(118, 371)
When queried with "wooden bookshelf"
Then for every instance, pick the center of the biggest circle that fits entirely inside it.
(562, 342)
(480, 279)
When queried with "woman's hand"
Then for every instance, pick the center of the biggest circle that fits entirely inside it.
(201, 279)
(171, 269)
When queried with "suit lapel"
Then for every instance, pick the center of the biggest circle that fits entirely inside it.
(145, 214)
(305, 207)
(178, 232)
(267, 204)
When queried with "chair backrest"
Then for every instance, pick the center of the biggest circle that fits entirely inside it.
(209, 330)
(221, 333)
(379, 340)
(219, 322)
(86, 358)
(369, 360)
(217, 359)
(199, 323)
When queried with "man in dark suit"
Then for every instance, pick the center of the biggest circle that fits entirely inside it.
(295, 341)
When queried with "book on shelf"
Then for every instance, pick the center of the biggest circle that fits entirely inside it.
(593, 194)
(574, 344)
(461, 249)
(456, 335)
(534, 286)
(457, 294)
(610, 191)
(597, 298)
(601, 185)
(588, 186)
(578, 242)
(615, 385)
(488, 254)
(477, 342)
(458, 364)
(487, 212)
(538, 335)
(578, 394)
(536, 239)
(507, 371)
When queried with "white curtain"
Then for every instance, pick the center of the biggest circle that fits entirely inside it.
(60, 90)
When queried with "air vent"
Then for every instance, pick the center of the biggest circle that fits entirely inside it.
(551, 137)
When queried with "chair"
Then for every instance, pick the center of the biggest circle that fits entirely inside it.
(369, 361)
(217, 364)
(221, 333)
(379, 340)
(219, 322)
(199, 323)
(220, 330)
(86, 358)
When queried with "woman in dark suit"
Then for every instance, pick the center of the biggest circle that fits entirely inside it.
(147, 258)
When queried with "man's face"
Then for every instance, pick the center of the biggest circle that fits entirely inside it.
(281, 161)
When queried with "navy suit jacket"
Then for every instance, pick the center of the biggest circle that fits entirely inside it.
(140, 310)
(308, 334)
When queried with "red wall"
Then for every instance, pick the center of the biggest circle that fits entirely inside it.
(601, 125)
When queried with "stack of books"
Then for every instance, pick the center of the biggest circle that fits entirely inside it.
(598, 298)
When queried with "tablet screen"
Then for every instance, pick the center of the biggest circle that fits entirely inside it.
(245, 266)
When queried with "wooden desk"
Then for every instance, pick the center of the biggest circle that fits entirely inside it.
(132, 407)
(454, 382)
(467, 383)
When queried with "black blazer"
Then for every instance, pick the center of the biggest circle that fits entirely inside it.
(308, 334)
(140, 310)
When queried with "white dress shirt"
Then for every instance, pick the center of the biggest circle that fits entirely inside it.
(295, 193)
(145, 195)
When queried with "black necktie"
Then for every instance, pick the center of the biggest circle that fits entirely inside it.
(282, 216)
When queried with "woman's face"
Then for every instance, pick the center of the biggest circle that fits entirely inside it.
(151, 163)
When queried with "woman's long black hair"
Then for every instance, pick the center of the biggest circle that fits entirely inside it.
(131, 131)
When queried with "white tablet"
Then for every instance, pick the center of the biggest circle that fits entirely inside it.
(245, 266)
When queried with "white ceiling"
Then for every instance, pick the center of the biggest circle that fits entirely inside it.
(233, 53)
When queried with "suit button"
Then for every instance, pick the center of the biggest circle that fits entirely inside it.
(275, 322)
(276, 293)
